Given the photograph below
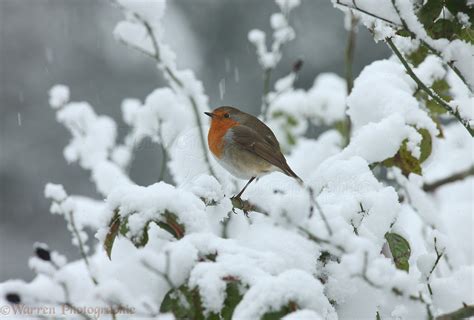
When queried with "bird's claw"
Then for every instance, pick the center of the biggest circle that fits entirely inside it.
(238, 203)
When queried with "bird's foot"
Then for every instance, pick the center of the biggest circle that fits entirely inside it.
(244, 205)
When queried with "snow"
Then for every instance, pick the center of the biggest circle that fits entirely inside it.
(448, 292)
(93, 136)
(55, 192)
(304, 314)
(273, 293)
(327, 99)
(58, 96)
(316, 249)
(141, 204)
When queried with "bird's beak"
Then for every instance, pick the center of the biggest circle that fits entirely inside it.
(210, 114)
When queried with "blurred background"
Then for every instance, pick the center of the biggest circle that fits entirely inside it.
(46, 42)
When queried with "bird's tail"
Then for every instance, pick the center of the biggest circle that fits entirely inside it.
(292, 174)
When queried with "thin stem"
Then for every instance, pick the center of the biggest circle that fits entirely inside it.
(412, 35)
(164, 152)
(349, 61)
(439, 255)
(164, 275)
(315, 203)
(349, 53)
(430, 187)
(433, 50)
(394, 290)
(319, 240)
(367, 13)
(463, 313)
(81, 246)
(266, 90)
(423, 87)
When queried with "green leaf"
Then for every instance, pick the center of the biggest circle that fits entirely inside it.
(430, 11)
(183, 303)
(467, 34)
(404, 160)
(403, 33)
(277, 315)
(455, 6)
(418, 56)
(114, 227)
(444, 28)
(233, 297)
(400, 249)
(426, 144)
(186, 303)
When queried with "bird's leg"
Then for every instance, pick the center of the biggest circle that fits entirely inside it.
(242, 191)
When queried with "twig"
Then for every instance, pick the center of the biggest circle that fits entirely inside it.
(314, 203)
(367, 13)
(396, 291)
(349, 53)
(430, 187)
(412, 35)
(433, 50)
(266, 90)
(164, 275)
(81, 246)
(319, 240)
(423, 87)
(465, 312)
(246, 206)
(163, 151)
(439, 255)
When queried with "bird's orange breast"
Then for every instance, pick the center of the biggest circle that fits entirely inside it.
(215, 138)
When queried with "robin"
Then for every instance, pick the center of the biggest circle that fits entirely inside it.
(245, 146)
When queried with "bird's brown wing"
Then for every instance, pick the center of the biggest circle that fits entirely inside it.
(257, 125)
(248, 139)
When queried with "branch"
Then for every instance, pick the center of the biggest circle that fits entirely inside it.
(349, 53)
(164, 152)
(164, 275)
(319, 240)
(81, 246)
(433, 50)
(404, 26)
(314, 203)
(463, 313)
(266, 90)
(439, 255)
(431, 187)
(423, 87)
(367, 13)
(246, 206)
(348, 62)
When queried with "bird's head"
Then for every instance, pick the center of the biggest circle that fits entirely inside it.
(225, 116)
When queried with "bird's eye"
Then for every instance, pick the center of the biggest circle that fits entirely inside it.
(226, 115)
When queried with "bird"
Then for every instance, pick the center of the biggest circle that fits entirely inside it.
(245, 146)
